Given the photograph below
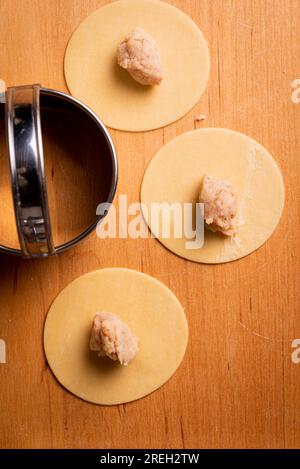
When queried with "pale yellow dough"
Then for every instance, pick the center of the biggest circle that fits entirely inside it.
(175, 174)
(149, 308)
(93, 75)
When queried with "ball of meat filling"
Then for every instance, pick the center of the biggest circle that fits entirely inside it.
(139, 55)
(111, 337)
(220, 205)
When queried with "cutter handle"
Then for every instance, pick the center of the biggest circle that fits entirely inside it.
(25, 149)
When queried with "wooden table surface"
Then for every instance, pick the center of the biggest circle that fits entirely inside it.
(237, 386)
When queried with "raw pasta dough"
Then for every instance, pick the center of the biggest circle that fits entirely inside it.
(151, 311)
(93, 75)
(175, 174)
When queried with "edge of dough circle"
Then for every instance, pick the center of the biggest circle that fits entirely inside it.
(93, 75)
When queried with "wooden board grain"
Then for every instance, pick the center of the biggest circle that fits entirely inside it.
(237, 386)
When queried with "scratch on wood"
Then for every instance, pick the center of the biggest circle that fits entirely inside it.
(265, 337)
(256, 333)
(181, 430)
(15, 280)
(166, 425)
(50, 409)
(245, 25)
(218, 62)
(283, 396)
(2, 351)
(44, 368)
(66, 424)
(219, 73)
(253, 332)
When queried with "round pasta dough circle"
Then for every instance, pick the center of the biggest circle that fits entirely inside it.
(175, 174)
(151, 311)
(93, 75)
